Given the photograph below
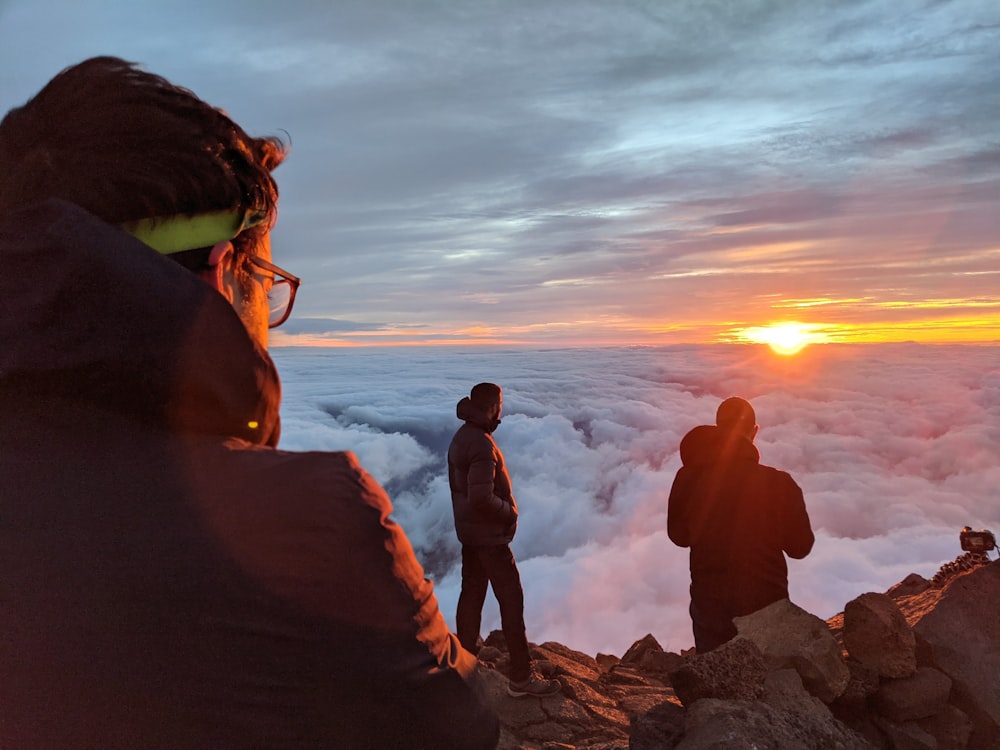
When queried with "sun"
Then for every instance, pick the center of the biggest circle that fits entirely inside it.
(786, 338)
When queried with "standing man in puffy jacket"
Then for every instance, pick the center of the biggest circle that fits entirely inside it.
(739, 518)
(169, 578)
(485, 521)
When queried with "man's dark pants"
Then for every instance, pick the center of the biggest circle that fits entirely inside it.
(712, 627)
(493, 565)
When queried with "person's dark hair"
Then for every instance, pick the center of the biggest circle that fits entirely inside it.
(484, 395)
(127, 145)
(735, 412)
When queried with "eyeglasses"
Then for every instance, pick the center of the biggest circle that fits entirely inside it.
(171, 235)
(281, 295)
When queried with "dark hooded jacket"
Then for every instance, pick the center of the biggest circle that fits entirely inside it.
(481, 498)
(170, 579)
(739, 518)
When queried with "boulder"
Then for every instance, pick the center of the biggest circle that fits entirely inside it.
(916, 697)
(862, 685)
(906, 736)
(490, 654)
(735, 671)
(496, 640)
(568, 661)
(960, 635)
(648, 657)
(606, 661)
(912, 584)
(788, 636)
(638, 700)
(640, 649)
(783, 690)
(622, 675)
(851, 706)
(659, 728)
(877, 635)
(949, 726)
(744, 725)
(660, 662)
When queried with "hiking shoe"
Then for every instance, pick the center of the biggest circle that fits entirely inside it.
(534, 685)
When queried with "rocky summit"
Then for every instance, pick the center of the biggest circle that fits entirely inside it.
(913, 668)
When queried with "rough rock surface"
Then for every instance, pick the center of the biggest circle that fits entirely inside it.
(909, 586)
(906, 736)
(734, 671)
(915, 697)
(639, 650)
(949, 726)
(877, 635)
(662, 726)
(608, 704)
(788, 636)
(714, 724)
(593, 710)
(864, 682)
(958, 632)
(783, 690)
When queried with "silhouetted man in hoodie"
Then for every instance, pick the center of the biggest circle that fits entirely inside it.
(739, 518)
(485, 521)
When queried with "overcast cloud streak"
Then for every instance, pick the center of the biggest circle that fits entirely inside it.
(895, 448)
(606, 170)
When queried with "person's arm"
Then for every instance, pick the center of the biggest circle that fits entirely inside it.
(796, 531)
(383, 667)
(437, 697)
(482, 492)
(678, 528)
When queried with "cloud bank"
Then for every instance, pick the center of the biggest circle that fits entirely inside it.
(895, 446)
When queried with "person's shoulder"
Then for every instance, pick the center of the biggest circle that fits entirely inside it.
(306, 479)
(465, 430)
(776, 475)
(473, 435)
(267, 456)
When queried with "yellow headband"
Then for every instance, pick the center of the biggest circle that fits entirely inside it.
(175, 234)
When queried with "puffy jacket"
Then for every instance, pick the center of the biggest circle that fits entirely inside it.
(739, 518)
(481, 498)
(169, 579)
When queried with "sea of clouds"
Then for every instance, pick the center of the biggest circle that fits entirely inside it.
(896, 448)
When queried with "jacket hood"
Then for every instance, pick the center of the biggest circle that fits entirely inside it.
(707, 444)
(87, 312)
(469, 412)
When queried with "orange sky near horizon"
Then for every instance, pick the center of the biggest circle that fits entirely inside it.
(979, 331)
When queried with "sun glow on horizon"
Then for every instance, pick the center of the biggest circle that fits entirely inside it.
(786, 338)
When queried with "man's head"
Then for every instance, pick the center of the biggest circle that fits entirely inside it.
(488, 397)
(735, 414)
(129, 146)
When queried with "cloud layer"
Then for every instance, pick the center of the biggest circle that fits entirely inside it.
(896, 448)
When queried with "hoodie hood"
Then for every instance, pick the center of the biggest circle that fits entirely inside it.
(467, 411)
(89, 313)
(707, 444)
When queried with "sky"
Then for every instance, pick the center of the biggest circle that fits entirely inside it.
(895, 447)
(584, 172)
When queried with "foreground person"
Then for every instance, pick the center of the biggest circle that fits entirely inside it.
(170, 579)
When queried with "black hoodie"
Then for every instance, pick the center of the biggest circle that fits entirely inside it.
(739, 518)
(169, 579)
